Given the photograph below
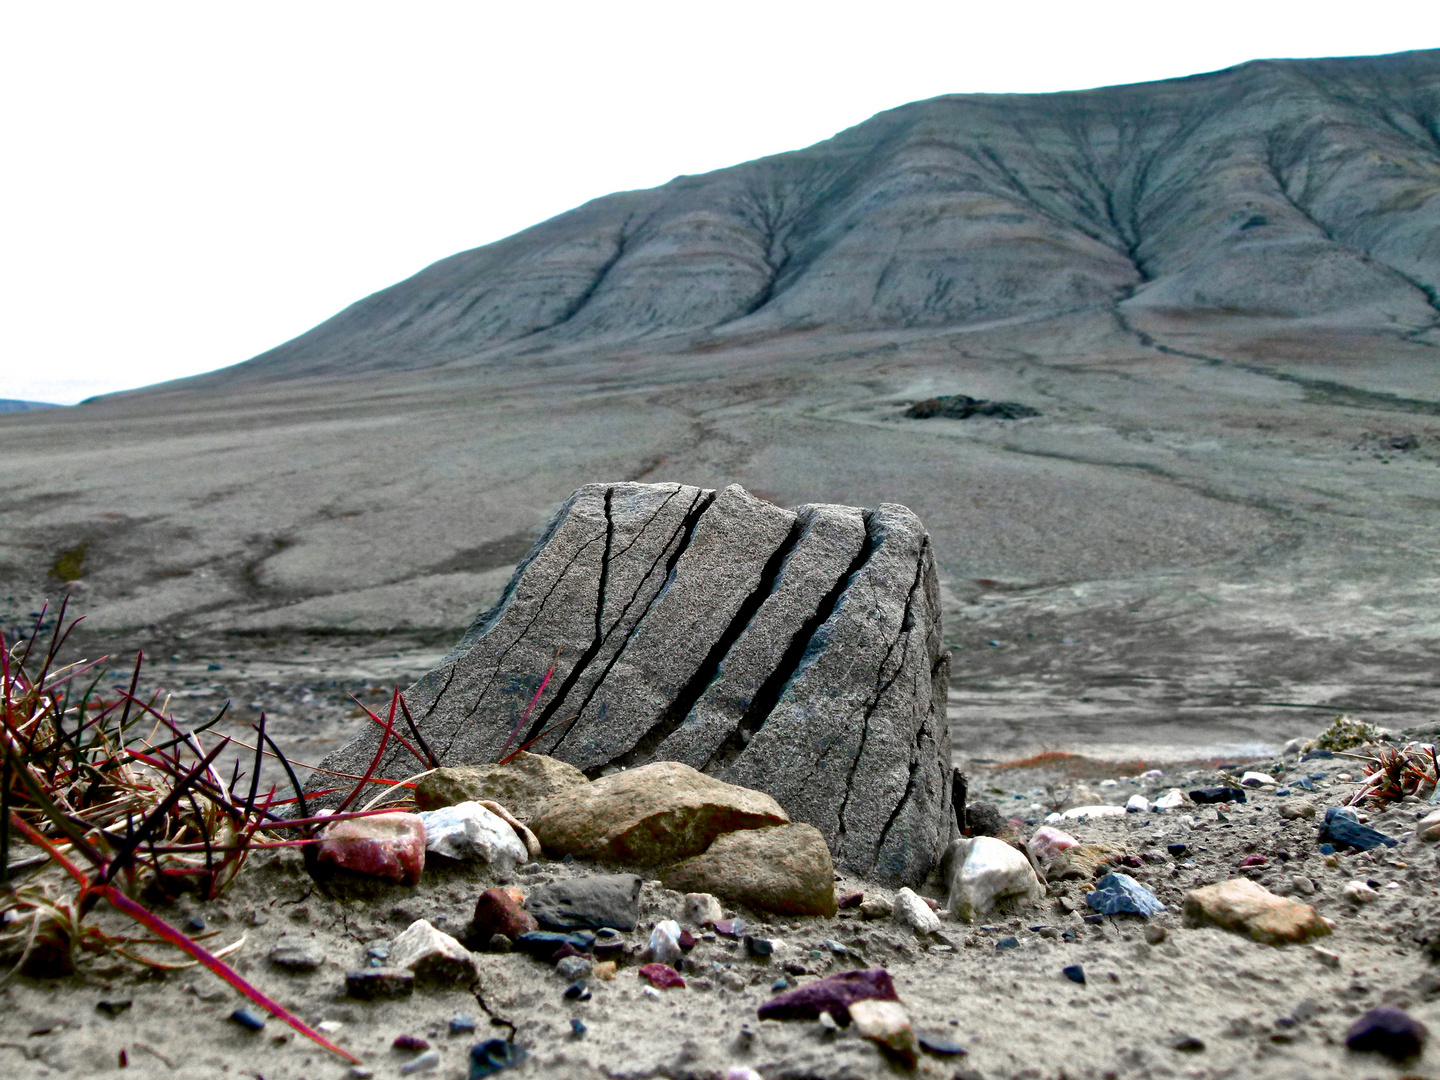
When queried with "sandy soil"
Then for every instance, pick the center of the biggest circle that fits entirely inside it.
(1259, 1011)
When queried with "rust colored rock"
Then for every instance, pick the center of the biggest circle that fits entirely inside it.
(654, 814)
(662, 976)
(496, 912)
(1242, 905)
(387, 845)
(833, 994)
(785, 869)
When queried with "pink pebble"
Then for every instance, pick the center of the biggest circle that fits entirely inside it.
(662, 975)
(385, 845)
(1049, 842)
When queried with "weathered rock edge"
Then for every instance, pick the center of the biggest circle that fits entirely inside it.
(797, 652)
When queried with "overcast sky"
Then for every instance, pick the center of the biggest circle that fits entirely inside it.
(187, 185)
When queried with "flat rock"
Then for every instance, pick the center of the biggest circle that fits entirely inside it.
(1121, 894)
(432, 956)
(468, 830)
(385, 845)
(519, 785)
(785, 869)
(653, 814)
(587, 903)
(379, 984)
(297, 954)
(1242, 905)
(834, 994)
(796, 653)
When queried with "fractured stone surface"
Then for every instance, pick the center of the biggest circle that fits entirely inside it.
(798, 653)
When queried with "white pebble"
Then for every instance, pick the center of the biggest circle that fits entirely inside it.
(910, 910)
(1137, 804)
(424, 1063)
(1360, 892)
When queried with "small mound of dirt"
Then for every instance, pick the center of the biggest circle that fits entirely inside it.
(961, 407)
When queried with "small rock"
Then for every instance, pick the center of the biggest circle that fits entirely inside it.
(759, 948)
(687, 940)
(701, 909)
(1217, 795)
(654, 814)
(577, 991)
(543, 944)
(1343, 831)
(1011, 942)
(1389, 1031)
(1257, 779)
(876, 907)
(1137, 804)
(611, 900)
(913, 913)
(850, 901)
(940, 1044)
(1092, 813)
(389, 846)
(248, 1018)
(1325, 956)
(987, 870)
(662, 976)
(731, 928)
(1154, 935)
(605, 969)
(297, 954)
(462, 1024)
(1297, 808)
(434, 956)
(577, 1027)
(496, 912)
(1075, 973)
(1241, 904)
(1049, 842)
(1428, 827)
(742, 1072)
(781, 868)
(195, 922)
(520, 785)
(360, 1072)
(610, 944)
(1254, 860)
(113, 1008)
(833, 994)
(664, 945)
(1176, 849)
(377, 984)
(410, 1042)
(1188, 1044)
(574, 968)
(469, 831)
(426, 1062)
(1171, 800)
(499, 943)
(1360, 892)
(886, 1023)
(1302, 885)
(492, 1055)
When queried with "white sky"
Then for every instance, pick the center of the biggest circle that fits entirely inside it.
(187, 185)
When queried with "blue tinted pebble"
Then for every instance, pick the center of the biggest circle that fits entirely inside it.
(489, 1057)
(577, 1027)
(1121, 894)
(1327, 849)
(1075, 973)
(248, 1018)
(778, 985)
(1008, 943)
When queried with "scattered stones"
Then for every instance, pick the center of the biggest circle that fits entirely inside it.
(662, 976)
(493, 1055)
(379, 984)
(1075, 973)
(496, 912)
(913, 913)
(664, 947)
(1049, 842)
(469, 831)
(1389, 1031)
(297, 954)
(1360, 892)
(1240, 904)
(654, 814)
(886, 1023)
(588, 903)
(833, 994)
(385, 845)
(701, 909)
(1217, 795)
(987, 870)
(248, 1018)
(1121, 894)
(520, 785)
(433, 956)
(783, 868)
(1344, 831)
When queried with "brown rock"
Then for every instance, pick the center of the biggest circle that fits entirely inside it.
(385, 845)
(498, 912)
(1083, 862)
(520, 786)
(1242, 905)
(1297, 808)
(786, 869)
(654, 814)
(886, 1023)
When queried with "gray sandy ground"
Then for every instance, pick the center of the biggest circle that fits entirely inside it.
(1258, 1010)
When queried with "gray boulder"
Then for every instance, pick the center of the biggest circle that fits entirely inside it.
(796, 652)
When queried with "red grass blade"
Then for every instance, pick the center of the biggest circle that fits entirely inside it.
(526, 714)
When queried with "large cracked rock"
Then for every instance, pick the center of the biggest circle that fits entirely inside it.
(797, 652)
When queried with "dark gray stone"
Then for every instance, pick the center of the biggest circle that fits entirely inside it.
(798, 653)
(984, 819)
(295, 954)
(590, 903)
